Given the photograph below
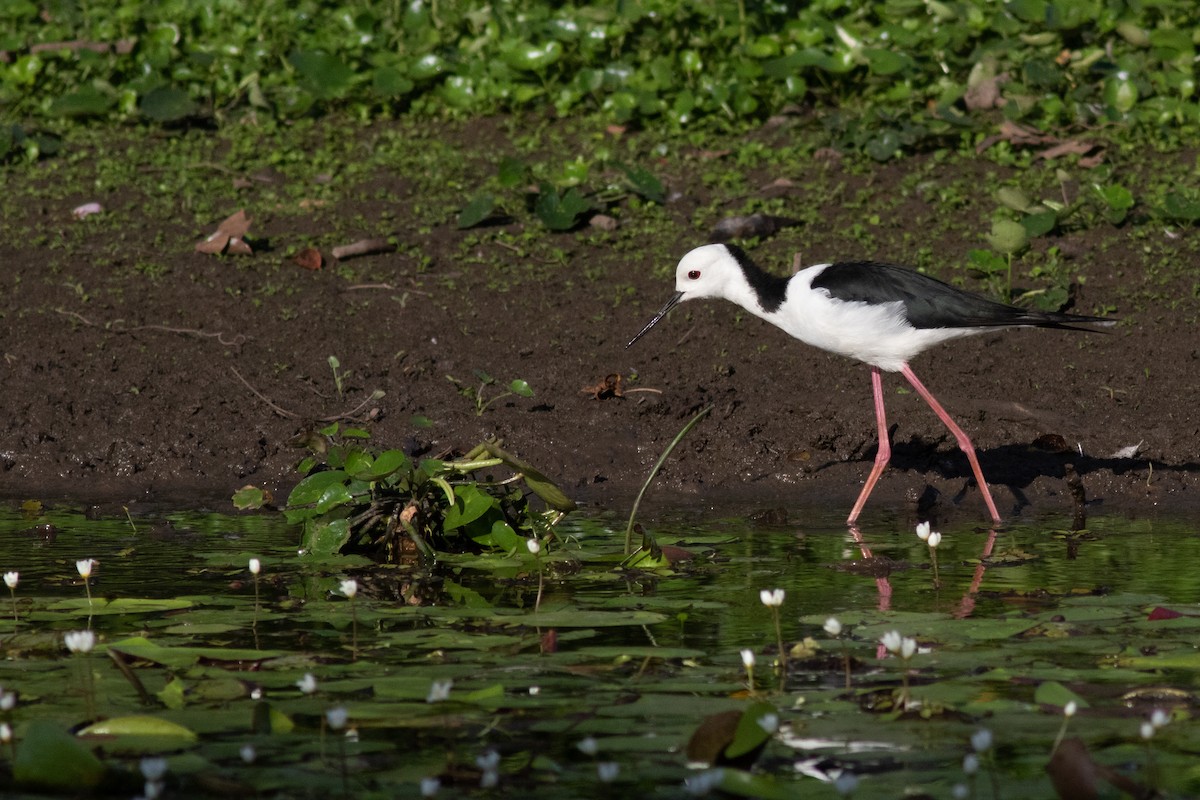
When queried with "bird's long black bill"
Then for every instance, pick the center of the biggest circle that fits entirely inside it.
(675, 298)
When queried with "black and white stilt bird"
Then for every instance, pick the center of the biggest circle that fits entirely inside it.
(877, 313)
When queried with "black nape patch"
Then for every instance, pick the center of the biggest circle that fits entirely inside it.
(771, 290)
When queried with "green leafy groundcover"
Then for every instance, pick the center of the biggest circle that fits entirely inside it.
(887, 75)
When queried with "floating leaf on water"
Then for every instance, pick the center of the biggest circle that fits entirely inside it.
(139, 725)
(1053, 693)
(50, 758)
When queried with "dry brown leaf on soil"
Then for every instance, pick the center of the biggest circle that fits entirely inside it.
(228, 237)
(609, 387)
(985, 94)
(1067, 148)
(309, 258)
(1017, 134)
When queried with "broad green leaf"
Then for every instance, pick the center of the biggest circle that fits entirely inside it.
(521, 388)
(1053, 693)
(86, 102)
(470, 503)
(311, 489)
(167, 104)
(1008, 236)
(325, 537)
(139, 725)
(1039, 223)
(512, 172)
(560, 212)
(391, 82)
(50, 758)
(325, 75)
(644, 183)
(538, 483)
(476, 211)
(387, 463)
(750, 732)
(119, 605)
(249, 498)
(183, 656)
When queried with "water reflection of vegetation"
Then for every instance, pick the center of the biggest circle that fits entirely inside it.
(634, 660)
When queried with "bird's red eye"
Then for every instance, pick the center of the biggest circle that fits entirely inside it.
(694, 275)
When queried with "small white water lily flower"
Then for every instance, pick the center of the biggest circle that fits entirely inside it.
(1070, 708)
(153, 768)
(488, 763)
(248, 753)
(960, 791)
(430, 786)
(534, 691)
(768, 722)
(748, 658)
(5, 733)
(80, 641)
(307, 684)
(255, 566)
(588, 746)
(534, 546)
(1159, 718)
(981, 740)
(908, 648)
(704, 782)
(771, 598)
(11, 579)
(891, 641)
(85, 567)
(8, 700)
(336, 717)
(439, 691)
(1147, 730)
(607, 771)
(846, 783)
(970, 763)
(935, 539)
(833, 627)
(348, 588)
(923, 529)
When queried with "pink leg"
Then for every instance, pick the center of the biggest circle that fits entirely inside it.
(964, 443)
(885, 448)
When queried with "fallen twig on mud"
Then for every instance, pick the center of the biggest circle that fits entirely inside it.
(283, 412)
(364, 247)
(350, 415)
(280, 411)
(118, 326)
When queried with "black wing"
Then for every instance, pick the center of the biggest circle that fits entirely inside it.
(929, 303)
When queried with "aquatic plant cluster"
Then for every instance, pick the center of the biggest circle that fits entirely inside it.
(518, 671)
(886, 76)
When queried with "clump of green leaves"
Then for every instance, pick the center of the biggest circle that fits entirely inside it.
(479, 395)
(562, 204)
(892, 76)
(389, 506)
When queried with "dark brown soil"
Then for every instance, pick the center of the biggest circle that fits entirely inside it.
(127, 386)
